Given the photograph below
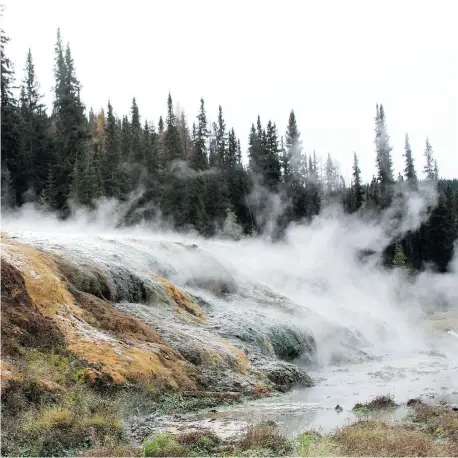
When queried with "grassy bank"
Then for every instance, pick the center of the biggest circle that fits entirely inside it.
(426, 431)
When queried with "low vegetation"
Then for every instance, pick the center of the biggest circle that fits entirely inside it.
(426, 431)
(378, 403)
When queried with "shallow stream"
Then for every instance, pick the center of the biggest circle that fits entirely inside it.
(431, 376)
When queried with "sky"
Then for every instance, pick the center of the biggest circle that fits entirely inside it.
(330, 61)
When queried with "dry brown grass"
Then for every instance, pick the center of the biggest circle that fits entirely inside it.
(104, 451)
(437, 421)
(181, 300)
(376, 438)
(95, 332)
(264, 436)
(379, 402)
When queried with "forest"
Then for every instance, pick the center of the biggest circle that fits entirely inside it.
(192, 174)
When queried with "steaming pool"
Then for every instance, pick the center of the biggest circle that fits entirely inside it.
(431, 376)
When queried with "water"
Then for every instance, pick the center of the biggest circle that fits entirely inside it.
(431, 377)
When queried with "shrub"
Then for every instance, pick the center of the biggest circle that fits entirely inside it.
(163, 445)
(379, 402)
(267, 437)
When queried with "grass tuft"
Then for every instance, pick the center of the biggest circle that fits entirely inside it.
(163, 445)
(379, 402)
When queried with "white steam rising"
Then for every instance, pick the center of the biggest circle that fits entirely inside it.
(318, 266)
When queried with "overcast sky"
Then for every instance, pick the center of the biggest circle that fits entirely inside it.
(331, 61)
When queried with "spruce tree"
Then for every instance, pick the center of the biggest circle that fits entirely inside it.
(69, 120)
(12, 160)
(429, 162)
(358, 192)
(384, 160)
(295, 190)
(172, 142)
(409, 170)
(8, 194)
(136, 154)
(199, 156)
(399, 259)
(110, 158)
(221, 139)
(272, 166)
(34, 131)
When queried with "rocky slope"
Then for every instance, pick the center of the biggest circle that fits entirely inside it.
(114, 313)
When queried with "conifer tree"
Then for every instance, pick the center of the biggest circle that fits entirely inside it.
(199, 156)
(399, 259)
(272, 166)
(384, 160)
(358, 192)
(12, 160)
(409, 170)
(69, 120)
(429, 162)
(136, 155)
(221, 139)
(172, 142)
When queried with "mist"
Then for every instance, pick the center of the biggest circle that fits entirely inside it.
(317, 267)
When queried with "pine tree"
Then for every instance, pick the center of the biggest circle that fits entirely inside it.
(172, 142)
(357, 184)
(47, 198)
(436, 170)
(300, 199)
(8, 194)
(221, 139)
(409, 170)
(136, 155)
(231, 228)
(384, 161)
(35, 141)
(69, 120)
(399, 259)
(12, 161)
(199, 156)
(185, 137)
(110, 157)
(293, 147)
(272, 166)
(429, 162)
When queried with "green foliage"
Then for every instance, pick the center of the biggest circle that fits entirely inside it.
(163, 445)
(399, 259)
(304, 444)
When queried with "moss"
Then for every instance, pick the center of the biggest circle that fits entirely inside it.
(290, 343)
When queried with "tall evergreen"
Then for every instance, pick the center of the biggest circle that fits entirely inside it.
(13, 177)
(384, 160)
(358, 192)
(110, 158)
(409, 170)
(199, 156)
(429, 162)
(221, 139)
(34, 130)
(272, 165)
(69, 121)
(172, 142)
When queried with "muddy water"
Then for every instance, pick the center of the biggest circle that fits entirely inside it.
(430, 375)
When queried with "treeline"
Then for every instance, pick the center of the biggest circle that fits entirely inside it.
(193, 176)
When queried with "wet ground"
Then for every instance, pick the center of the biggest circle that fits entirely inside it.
(430, 375)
